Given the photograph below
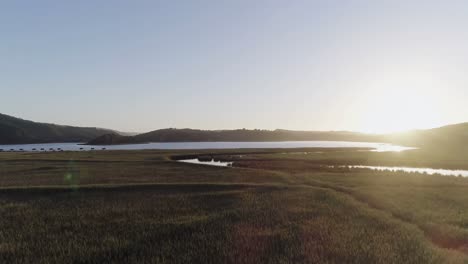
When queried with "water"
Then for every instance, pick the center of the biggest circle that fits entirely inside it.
(210, 163)
(463, 173)
(379, 147)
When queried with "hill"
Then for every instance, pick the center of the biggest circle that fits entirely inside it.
(195, 135)
(446, 138)
(18, 131)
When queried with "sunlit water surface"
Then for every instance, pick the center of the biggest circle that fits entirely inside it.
(444, 172)
(210, 163)
(379, 147)
(463, 173)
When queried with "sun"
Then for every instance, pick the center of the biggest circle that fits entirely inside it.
(404, 102)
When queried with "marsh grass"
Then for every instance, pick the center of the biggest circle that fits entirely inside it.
(146, 208)
(203, 224)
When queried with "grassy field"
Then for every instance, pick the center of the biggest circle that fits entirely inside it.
(273, 206)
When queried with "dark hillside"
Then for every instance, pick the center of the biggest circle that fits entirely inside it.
(245, 135)
(18, 131)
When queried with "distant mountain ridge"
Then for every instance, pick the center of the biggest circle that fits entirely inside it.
(237, 135)
(19, 131)
(448, 137)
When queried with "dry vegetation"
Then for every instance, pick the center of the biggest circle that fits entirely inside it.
(142, 207)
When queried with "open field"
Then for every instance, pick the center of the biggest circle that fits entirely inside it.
(274, 206)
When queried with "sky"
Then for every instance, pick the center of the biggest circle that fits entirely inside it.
(371, 66)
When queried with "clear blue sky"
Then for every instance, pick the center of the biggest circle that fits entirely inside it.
(312, 65)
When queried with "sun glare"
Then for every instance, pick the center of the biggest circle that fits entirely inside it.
(403, 102)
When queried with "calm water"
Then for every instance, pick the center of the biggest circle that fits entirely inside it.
(430, 171)
(463, 173)
(380, 147)
(211, 163)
